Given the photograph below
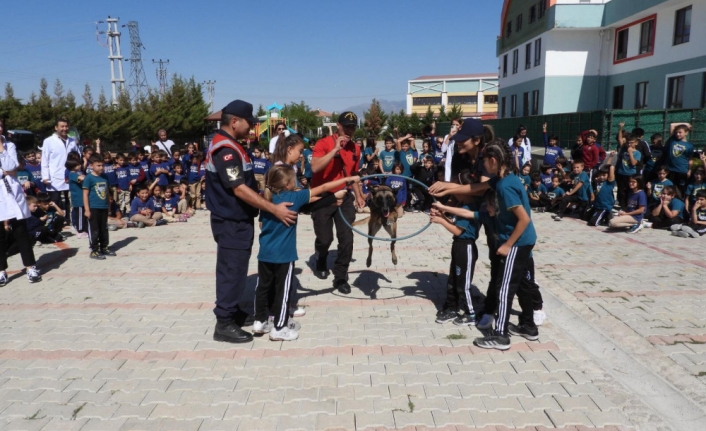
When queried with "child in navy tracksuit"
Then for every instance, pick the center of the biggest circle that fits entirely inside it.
(75, 177)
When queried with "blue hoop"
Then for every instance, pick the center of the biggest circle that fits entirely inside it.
(402, 238)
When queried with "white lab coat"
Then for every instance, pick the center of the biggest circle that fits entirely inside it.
(526, 148)
(12, 202)
(54, 153)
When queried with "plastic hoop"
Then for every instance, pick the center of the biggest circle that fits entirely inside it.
(402, 238)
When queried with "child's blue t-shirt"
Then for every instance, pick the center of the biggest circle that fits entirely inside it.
(387, 160)
(657, 189)
(308, 155)
(163, 178)
(583, 192)
(75, 189)
(536, 192)
(260, 166)
(557, 192)
(177, 177)
(145, 165)
(157, 204)
(679, 154)
(438, 155)
(369, 151)
(525, 180)
(605, 199)
(520, 155)
(677, 205)
(278, 242)
(546, 180)
(122, 174)
(691, 190)
(407, 159)
(398, 185)
(109, 172)
(635, 201)
(98, 189)
(511, 193)
(624, 165)
(140, 205)
(195, 172)
(36, 171)
(135, 171)
(171, 203)
(23, 176)
(469, 226)
(656, 154)
(551, 153)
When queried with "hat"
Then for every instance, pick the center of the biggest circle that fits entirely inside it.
(348, 118)
(468, 130)
(240, 109)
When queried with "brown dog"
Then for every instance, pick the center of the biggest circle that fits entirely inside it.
(383, 213)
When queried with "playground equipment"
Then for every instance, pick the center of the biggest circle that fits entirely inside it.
(266, 127)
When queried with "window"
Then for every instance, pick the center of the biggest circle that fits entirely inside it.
(505, 66)
(503, 103)
(533, 14)
(682, 26)
(515, 60)
(508, 29)
(675, 92)
(621, 48)
(535, 102)
(518, 23)
(542, 8)
(703, 92)
(537, 52)
(525, 104)
(618, 96)
(641, 95)
(490, 99)
(426, 101)
(647, 31)
(528, 56)
(513, 105)
(463, 100)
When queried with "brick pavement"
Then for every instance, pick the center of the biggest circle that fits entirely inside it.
(125, 344)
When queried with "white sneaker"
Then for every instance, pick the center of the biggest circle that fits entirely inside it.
(261, 327)
(284, 334)
(539, 317)
(293, 324)
(298, 311)
(33, 275)
(486, 322)
(3, 278)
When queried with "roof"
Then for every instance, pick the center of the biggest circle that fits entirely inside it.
(216, 116)
(322, 113)
(466, 76)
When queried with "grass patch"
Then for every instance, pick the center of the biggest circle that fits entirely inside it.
(455, 337)
(701, 374)
(35, 416)
(607, 290)
(87, 298)
(410, 404)
(591, 282)
(77, 410)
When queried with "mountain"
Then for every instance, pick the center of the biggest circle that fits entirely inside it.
(386, 105)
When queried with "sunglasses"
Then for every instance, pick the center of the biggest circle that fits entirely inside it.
(279, 129)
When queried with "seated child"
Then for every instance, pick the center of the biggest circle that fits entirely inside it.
(697, 226)
(399, 187)
(546, 175)
(654, 188)
(537, 192)
(631, 217)
(602, 210)
(170, 204)
(142, 209)
(668, 211)
(47, 220)
(693, 188)
(576, 199)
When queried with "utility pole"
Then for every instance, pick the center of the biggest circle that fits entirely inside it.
(138, 80)
(115, 57)
(161, 74)
(210, 89)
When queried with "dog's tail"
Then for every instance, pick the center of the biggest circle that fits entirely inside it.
(359, 222)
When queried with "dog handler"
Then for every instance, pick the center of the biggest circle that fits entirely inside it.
(333, 158)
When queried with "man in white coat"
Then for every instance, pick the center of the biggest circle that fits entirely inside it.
(55, 149)
(13, 214)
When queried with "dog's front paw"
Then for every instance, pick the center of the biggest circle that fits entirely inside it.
(394, 260)
(368, 262)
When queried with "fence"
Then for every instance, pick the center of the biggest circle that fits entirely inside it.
(568, 126)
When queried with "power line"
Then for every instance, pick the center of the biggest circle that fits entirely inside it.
(138, 80)
(161, 74)
(114, 55)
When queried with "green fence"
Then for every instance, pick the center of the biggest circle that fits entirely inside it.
(568, 126)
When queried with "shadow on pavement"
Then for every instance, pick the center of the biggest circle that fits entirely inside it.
(117, 245)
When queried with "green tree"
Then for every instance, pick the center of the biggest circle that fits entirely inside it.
(301, 117)
(375, 118)
(443, 116)
(261, 111)
(455, 112)
(414, 124)
(428, 117)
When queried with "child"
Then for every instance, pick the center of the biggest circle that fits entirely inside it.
(35, 168)
(387, 156)
(678, 159)
(579, 195)
(669, 211)
(655, 161)
(561, 165)
(555, 193)
(95, 201)
(693, 188)
(518, 155)
(628, 159)
(260, 166)
(424, 172)
(546, 175)
(461, 294)
(42, 226)
(399, 187)
(591, 153)
(142, 209)
(76, 177)
(551, 149)
(602, 210)
(137, 174)
(122, 174)
(537, 193)
(25, 177)
(196, 178)
(85, 162)
(278, 251)
(697, 227)
(631, 217)
(178, 172)
(525, 178)
(160, 168)
(171, 205)
(115, 216)
(405, 155)
(109, 171)
(439, 152)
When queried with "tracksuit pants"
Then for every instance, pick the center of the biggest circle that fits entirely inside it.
(98, 231)
(16, 237)
(491, 295)
(56, 197)
(274, 287)
(79, 220)
(599, 217)
(461, 294)
(512, 281)
(324, 219)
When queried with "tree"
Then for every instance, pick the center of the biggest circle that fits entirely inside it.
(375, 118)
(443, 116)
(414, 125)
(428, 117)
(301, 117)
(87, 97)
(261, 111)
(455, 112)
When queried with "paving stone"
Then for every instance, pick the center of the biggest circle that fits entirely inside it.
(565, 419)
(371, 420)
(405, 419)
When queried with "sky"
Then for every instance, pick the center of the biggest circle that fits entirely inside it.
(331, 54)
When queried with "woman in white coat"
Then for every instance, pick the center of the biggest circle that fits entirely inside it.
(13, 213)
